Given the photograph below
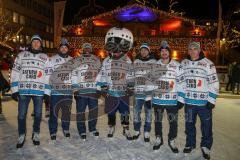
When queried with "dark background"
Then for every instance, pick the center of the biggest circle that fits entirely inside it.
(201, 9)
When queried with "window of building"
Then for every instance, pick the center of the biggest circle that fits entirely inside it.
(47, 28)
(43, 43)
(22, 19)
(23, 2)
(51, 44)
(21, 39)
(29, 3)
(47, 44)
(51, 29)
(28, 39)
(15, 17)
(8, 13)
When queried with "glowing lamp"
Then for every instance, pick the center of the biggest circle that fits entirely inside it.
(101, 54)
(171, 25)
(175, 55)
(100, 23)
(78, 31)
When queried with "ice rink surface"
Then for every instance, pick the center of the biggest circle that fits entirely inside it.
(226, 130)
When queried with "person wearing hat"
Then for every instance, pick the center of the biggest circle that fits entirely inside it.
(59, 73)
(142, 66)
(168, 95)
(86, 69)
(28, 81)
(201, 90)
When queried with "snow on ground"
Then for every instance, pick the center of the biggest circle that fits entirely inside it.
(226, 139)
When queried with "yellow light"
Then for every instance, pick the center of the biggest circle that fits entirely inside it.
(223, 39)
(174, 55)
(101, 54)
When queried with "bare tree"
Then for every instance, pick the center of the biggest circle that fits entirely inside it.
(7, 32)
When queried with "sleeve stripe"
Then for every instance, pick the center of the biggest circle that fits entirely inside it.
(212, 95)
(14, 84)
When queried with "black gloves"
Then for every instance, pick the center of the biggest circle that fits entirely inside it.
(104, 90)
(75, 95)
(130, 90)
(15, 96)
(46, 98)
(210, 105)
(98, 94)
(180, 105)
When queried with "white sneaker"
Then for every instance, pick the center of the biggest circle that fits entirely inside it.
(36, 138)
(205, 152)
(127, 134)
(146, 137)
(172, 145)
(136, 135)
(111, 131)
(21, 141)
(158, 143)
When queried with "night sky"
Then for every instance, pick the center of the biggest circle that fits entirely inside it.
(203, 9)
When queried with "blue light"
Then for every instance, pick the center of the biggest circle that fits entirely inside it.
(136, 14)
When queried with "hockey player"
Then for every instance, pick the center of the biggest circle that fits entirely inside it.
(143, 95)
(28, 81)
(58, 72)
(86, 69)
(202, 87)
(168, 95)
(115, 78)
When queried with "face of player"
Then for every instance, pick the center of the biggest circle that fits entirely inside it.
(194, 53)
(36, 44)
(164, 54)
(144, 52)
(64, 49)
(87, 50)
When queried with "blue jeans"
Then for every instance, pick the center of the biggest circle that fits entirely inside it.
(205, 115)
(22, 112)
(137, 115)
(82, 102)
(59, 103)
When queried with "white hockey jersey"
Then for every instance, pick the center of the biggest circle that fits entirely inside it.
(86, 69)
(201, 82)
(142, 83)
(59, 73)
(169, 83)
(28, 76)
(116, 75)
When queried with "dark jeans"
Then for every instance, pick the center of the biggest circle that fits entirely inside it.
(114, 104)
(205, 115)
(82, 103)
(172, 113)
(59, 104)
(22, 112)
(137, 115)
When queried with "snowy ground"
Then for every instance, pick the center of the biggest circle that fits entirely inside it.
(226, 139)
